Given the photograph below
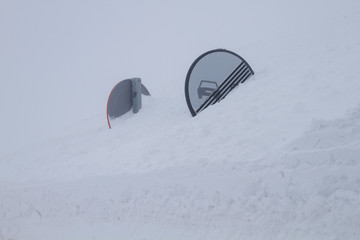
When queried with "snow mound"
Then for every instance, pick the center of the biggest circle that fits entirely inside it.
(309, 188)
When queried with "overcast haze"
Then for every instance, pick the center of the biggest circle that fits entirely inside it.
(59, 59)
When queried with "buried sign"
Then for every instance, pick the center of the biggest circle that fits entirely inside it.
(212, 76)
(124, 96)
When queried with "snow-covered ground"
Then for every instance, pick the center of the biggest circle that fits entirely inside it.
(279, 158)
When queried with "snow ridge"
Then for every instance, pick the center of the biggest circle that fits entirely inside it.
(309, 188)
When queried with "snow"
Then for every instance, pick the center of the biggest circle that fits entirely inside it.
(277, 159)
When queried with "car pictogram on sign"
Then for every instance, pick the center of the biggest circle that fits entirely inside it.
(206, 88)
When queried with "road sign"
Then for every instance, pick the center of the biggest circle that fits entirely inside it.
(212, 76)
(124, 96)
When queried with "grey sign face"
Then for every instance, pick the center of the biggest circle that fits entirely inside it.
(120, 99)
(124, 96)
(212, 76)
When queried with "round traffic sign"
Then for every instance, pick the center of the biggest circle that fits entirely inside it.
(212, 76)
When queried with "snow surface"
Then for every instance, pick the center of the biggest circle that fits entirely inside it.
(279, 158)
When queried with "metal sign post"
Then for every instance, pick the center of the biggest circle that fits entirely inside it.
(136, 93)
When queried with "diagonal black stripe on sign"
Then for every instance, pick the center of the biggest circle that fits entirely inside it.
(243, 79)
(223, 86)
(217, 92)
(230, 84)
(234, 84)
(227, 84)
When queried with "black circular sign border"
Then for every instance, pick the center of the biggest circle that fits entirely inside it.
(192, 111)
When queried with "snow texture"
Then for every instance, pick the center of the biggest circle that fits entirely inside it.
(279, 158)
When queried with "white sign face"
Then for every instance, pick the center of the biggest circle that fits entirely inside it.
(212, 76)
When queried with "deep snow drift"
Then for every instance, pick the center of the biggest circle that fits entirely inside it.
(279, 158)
